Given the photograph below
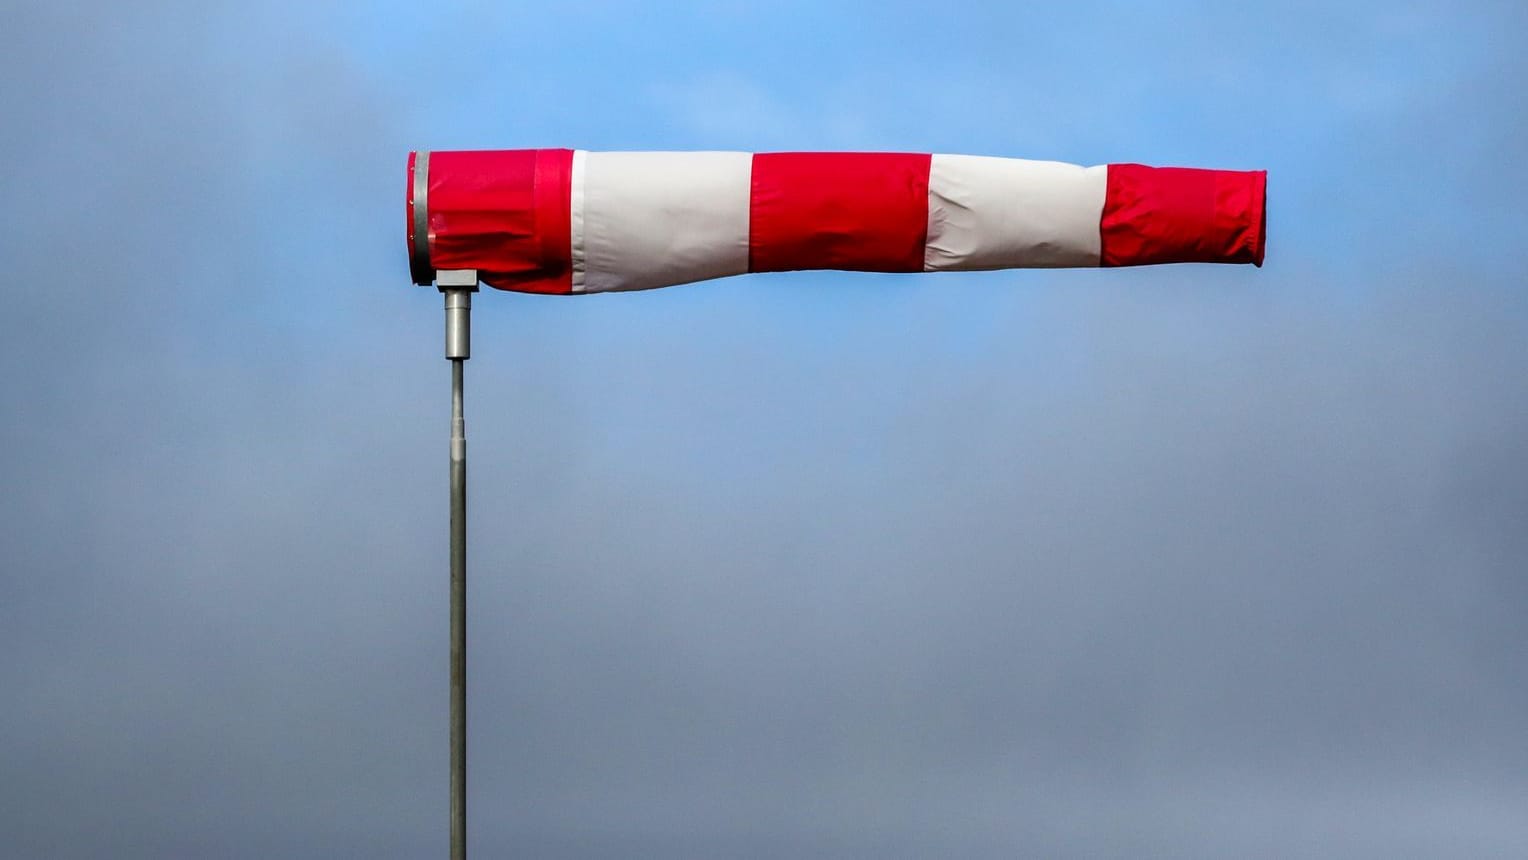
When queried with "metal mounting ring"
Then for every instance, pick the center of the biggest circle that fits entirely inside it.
(420, 268)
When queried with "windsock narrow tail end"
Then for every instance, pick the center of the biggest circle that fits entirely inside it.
(1183, 215)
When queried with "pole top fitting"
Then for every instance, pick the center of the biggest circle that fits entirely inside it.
(450, 280)
(457, 286)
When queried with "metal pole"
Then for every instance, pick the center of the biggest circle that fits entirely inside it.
(458, 300)
(458, 618)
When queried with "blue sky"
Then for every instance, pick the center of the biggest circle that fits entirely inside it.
(1191, 562)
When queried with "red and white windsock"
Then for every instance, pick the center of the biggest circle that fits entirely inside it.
(570, 221)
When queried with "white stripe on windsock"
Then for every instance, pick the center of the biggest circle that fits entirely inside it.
(999, 213)
(652, 219)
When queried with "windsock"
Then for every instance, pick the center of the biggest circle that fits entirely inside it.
(569, 221)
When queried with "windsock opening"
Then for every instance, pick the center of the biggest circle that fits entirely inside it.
(504, 213)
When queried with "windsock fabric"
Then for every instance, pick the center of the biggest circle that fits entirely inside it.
(569, 221)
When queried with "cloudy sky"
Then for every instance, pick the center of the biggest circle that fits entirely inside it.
(1180, 562)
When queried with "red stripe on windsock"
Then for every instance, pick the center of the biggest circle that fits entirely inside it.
(504, 213)
(1182, 215)
(838, 210)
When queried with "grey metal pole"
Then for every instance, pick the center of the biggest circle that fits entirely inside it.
(458, 618)
(458, 288)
